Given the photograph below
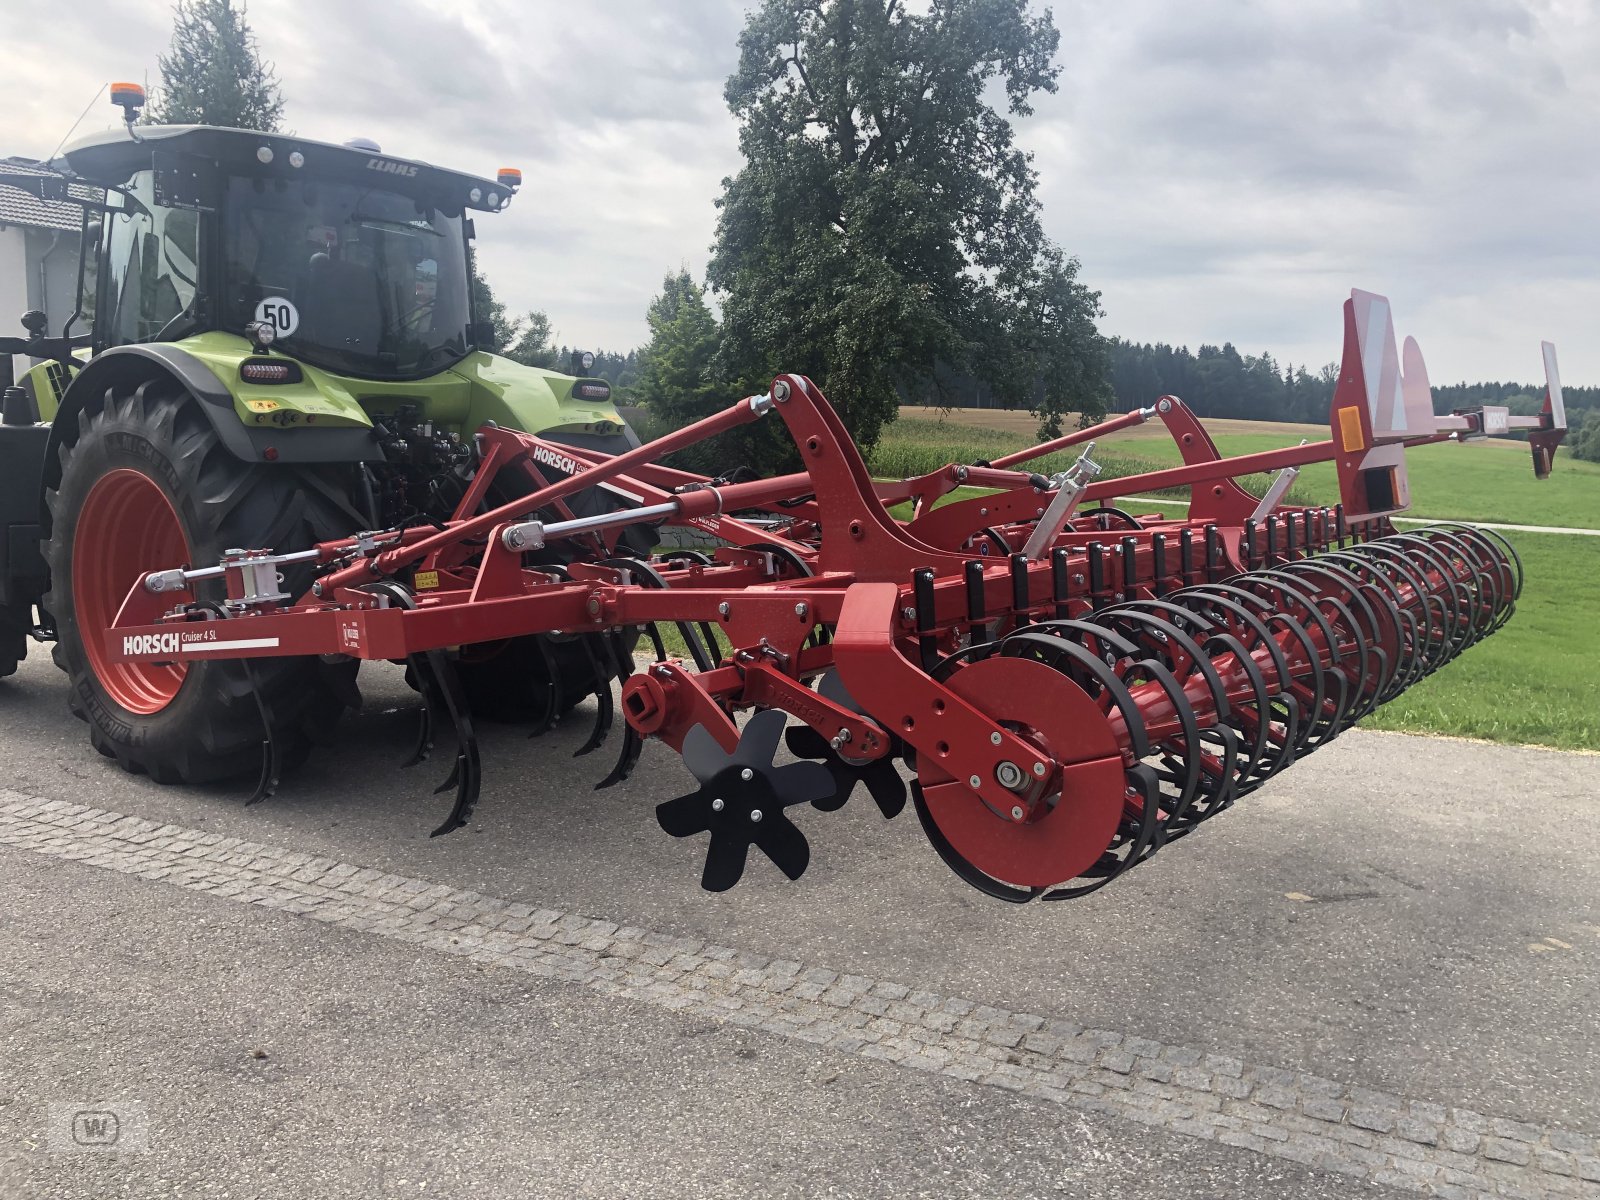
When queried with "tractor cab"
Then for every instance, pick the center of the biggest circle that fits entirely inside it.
(343, 257)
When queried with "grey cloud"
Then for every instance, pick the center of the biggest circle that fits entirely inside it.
(1224, 171)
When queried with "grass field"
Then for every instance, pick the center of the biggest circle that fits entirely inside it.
(1480, 481)
(1537, 681)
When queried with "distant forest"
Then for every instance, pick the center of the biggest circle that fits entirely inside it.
(1218, 381)
(1221, 382)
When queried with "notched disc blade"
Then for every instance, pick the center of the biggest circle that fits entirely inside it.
(785, 845)
(802, 783)
(703, 754)
(686, 815)
(758, 741)
(724, 862)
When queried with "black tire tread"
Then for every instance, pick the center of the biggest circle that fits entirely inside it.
(212, 728)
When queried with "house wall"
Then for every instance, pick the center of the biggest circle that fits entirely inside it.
(53, 275)
(38, 269)
(13, 278)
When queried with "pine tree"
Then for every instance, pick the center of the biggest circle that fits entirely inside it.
(214, 74)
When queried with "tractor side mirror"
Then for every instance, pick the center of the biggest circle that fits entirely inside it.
(482, 334)
(35, 322)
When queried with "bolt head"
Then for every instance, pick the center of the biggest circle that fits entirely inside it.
(995, 739)
(717, 805)
(908, 614)
(975, 782)
(800, 610)
(747, 774)
(1016, 812)
(780, 391)
(724, 608)
(1039, 769)
(755, 814)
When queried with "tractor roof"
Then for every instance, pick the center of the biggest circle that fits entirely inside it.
(111, 157)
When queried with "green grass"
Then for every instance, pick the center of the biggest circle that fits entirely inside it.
(1472, 482)
(916, 446)
(1480, 481)
(1535, 682)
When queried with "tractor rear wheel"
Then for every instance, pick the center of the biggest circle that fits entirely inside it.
(148, 485)
(15, 621)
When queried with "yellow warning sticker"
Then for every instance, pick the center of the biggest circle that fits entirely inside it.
(1350, 430)
(261, 405)
(423, 580)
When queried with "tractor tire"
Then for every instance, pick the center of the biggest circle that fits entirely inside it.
(15, 622)
(509, 681)
(147, 485)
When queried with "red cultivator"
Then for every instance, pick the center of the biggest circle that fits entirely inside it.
(1072, 687)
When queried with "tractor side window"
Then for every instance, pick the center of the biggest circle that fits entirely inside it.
(151, 266)
(89, 270)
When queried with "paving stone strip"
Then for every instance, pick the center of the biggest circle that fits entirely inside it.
(1430, 1148)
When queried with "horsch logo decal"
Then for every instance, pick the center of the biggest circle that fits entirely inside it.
(560, 462)
(150, 643)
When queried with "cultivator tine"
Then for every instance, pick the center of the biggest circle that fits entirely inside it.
(424, 744)
(554, 692)
(653, 632)
(741, 801)
(466, 775)
(632, 748)
(604, 709)
(271, 767)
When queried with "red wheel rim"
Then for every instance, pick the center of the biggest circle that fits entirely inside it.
(127, 527)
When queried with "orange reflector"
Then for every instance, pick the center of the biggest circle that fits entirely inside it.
(1350, 430)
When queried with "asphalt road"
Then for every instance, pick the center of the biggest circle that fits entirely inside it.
(1418, 916)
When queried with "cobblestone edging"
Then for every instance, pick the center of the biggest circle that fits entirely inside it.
(1430, 1148)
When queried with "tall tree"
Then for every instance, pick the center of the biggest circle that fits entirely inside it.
(884, 230)
(214, 74)
(676, 384)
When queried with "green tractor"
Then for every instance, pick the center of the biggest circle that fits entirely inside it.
(281, 348)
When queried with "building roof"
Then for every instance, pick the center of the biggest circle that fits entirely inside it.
(17, 207)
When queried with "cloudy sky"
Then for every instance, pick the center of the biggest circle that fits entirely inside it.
(1225, 172)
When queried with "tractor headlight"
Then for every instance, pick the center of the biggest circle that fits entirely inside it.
(261, 334)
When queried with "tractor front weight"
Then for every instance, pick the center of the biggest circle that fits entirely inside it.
(1070, 687)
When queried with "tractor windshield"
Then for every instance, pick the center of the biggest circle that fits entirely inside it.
(359, 280)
